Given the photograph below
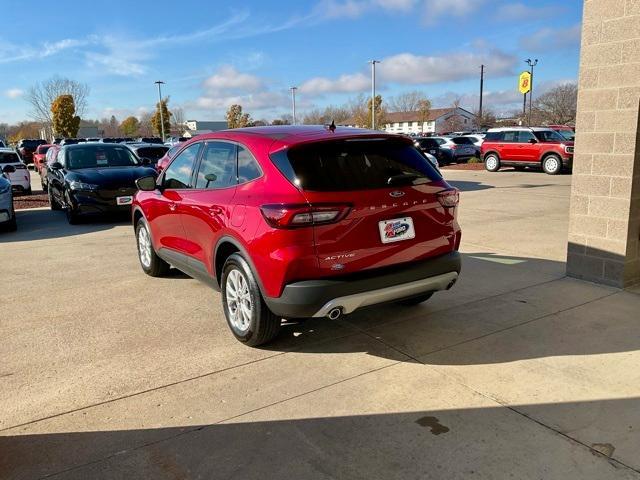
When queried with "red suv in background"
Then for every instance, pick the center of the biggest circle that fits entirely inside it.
(39, 156)
(295, 222)
(522, 147)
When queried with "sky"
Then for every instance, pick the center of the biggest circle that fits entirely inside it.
(213, 54)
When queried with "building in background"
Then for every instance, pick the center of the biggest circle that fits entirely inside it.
(438, 121)
(198, 127)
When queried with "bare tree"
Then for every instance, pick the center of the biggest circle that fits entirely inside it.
(558, 105)
(330, 114)
(44, 93)
(407, 102)
(177, 120)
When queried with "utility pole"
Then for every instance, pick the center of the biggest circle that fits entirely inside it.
(293, 103)
(373, 93)
(160, 82)
(481, 92)
(531, 64)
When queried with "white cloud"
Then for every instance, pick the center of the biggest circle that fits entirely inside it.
(434, 9)
(228, 78)
(411, 69)
(344, 84)
(357, 8)
(13, 93)
(555, 38)
(520, 11)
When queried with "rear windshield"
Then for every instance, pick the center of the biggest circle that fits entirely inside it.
(428, 143)
(462, 141)
(152, 153)
(8, 157)
(42, 150)
(93, 156)
(355, 165)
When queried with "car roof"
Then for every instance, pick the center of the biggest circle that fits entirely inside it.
(283, 136)
(511, 129)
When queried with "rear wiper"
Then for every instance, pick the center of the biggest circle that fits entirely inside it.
(402, 178)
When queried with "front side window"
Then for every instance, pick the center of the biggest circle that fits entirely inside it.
(178, 174)
(218, 166)
(248, 168)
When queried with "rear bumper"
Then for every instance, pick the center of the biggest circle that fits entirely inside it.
(316, 298)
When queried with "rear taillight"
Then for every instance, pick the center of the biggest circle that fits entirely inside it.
(448, 198)
(303, 215)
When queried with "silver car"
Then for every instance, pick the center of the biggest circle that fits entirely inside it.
(7, 213)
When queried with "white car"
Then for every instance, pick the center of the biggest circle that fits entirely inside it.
(477, 139)
(20, 178)
(7, 213)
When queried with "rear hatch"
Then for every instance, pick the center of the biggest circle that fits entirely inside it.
(392, 206)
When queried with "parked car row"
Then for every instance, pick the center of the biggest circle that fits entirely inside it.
(7, 212)
(448, 150)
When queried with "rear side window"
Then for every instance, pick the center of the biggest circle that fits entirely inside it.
(248, 168)
(493, 137)
(355, 165)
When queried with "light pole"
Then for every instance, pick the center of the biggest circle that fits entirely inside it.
(531, 64)
(373, 93)
(481, 93)
(160, 82)
(293, 102)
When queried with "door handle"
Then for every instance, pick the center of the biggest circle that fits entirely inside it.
(172, 206)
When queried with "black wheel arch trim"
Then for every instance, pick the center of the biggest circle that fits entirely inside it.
(245, 254)
(491, 152)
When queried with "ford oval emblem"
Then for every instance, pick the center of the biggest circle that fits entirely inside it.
(396, 194)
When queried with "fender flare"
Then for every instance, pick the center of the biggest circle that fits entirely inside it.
(245, 254)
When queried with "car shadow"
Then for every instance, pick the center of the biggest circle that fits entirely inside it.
(414, 441)
(41, 224)
(533, 312)
(469, 186)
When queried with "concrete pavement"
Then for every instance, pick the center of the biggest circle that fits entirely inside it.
(516, 372)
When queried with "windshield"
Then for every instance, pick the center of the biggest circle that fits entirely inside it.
(549, 136)
(462, 141)
(566, 134)
(99, 156)
(8, 157)
(355, 165)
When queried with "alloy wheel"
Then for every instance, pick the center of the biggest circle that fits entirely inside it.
(239, 305)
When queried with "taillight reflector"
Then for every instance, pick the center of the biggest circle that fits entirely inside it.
(303, 215)
(448, 198)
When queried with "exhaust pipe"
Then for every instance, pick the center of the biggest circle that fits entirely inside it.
(335, 313)
(451, 284)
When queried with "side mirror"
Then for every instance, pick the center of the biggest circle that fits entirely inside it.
(55, 166)
(146, 184)
(8, 169)
(533, 140)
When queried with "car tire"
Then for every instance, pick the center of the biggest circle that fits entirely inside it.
(412, 301)
(552, 164)
(492, 162)
(247, 315)
(53, 203)
(150, 262)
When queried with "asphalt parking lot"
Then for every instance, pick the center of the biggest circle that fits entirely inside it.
(517, 372)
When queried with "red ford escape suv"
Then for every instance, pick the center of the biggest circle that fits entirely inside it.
(297, 222)
(522, 147)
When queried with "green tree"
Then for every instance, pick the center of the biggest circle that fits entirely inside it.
(424, 108)
(237, 119)
(166, 118)
(130, 126)
(363, 116)
(63, 113)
